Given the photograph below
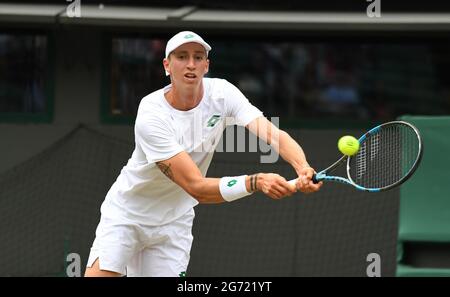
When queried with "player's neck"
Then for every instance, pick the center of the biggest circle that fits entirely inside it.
(184, 98)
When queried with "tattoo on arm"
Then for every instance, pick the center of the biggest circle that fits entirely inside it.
(165, 169)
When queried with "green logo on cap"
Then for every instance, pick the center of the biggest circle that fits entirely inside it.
(232, 182)
(188, 36)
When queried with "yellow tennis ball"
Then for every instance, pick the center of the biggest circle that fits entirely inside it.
(348, 145)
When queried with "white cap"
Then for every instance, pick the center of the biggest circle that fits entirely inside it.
(182, 38)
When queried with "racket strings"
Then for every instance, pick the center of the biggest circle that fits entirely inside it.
(361, 164)
(386, 156)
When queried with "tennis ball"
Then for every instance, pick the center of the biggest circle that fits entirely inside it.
(348, 145)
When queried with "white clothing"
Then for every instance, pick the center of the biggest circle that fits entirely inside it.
(142, 193)
(135, 250)
(146, 223)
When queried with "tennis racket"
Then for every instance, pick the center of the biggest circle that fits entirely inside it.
(388, 155)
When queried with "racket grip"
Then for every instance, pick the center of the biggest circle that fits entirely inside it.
(294, 181)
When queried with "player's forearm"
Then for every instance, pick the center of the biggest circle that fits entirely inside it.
(291, 151)
(185, 173)
(280, 141)
(207, 190)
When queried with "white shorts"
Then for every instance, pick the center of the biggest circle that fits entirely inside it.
(135, 250)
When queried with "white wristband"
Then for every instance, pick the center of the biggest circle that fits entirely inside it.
(233, 187)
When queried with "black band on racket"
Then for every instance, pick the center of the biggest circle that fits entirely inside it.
(314, 180)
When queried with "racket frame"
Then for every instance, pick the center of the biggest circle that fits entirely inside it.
(322, 175)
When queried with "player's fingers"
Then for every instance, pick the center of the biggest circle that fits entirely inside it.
(297, 183)
(307, 190)
(303, 188)
(285, 189)
(290, 188)
(317, 186)
(314, 187)
(279, 189)
(308, 186)
(304, 181)
(284, 186)
(277, 194)
(271, 192)
(309, 173)
(273, 196)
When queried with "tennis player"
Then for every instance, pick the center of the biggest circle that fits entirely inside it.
(146, 219)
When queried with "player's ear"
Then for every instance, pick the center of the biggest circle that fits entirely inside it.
(207, 66)
(166, 65)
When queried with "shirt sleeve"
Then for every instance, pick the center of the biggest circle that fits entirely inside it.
(238, 106)
(156, 139)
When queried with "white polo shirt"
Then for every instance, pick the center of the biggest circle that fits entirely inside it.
(142, 193)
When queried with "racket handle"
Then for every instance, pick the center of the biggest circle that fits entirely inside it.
(294, 181)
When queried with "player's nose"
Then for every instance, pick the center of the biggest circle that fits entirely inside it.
(191, 63)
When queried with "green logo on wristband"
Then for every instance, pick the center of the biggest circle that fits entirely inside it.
(232, 182)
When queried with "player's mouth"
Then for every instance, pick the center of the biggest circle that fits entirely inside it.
(190, 76)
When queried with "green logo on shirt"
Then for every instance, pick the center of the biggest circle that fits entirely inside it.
(232, 182)
(182, 274)
(213, 120)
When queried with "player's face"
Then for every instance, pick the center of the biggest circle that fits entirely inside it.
(187, 64)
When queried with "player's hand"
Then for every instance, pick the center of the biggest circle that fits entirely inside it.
(274, 185)
(305, 183)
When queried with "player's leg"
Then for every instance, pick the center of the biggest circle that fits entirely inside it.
(115, 244)
(95, 271)
(168, 250)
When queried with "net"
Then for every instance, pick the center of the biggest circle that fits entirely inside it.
(50, 205)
